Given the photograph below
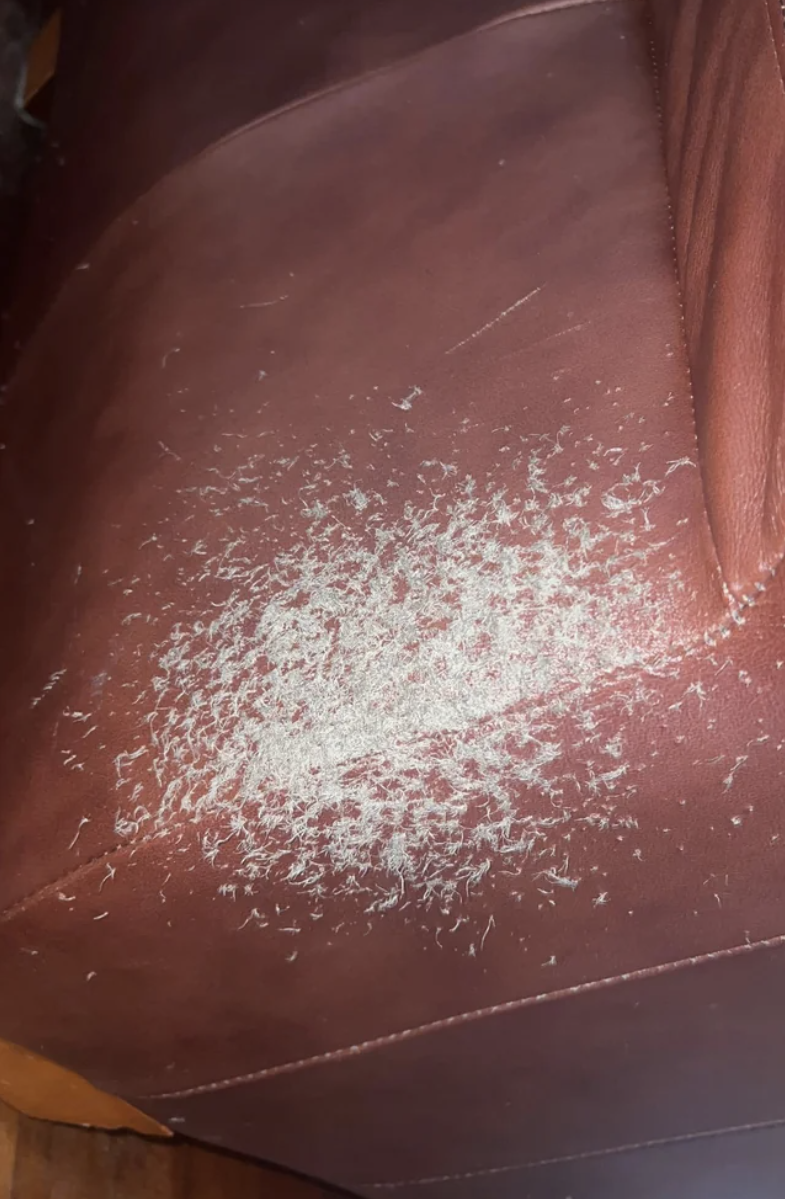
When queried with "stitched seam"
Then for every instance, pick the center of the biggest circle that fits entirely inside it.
(19, 906)
(773, 39)
(588, 1155)
(448, 1022)
(658, 103)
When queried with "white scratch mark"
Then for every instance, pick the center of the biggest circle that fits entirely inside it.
(490, 324)
(677, 464)
(406, 403)
(265, 303)
(730, 778)
(54, 679)
(111, 871)
(85, 820)
(488, 928)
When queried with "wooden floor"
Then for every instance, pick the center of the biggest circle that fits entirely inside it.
(52, 1161)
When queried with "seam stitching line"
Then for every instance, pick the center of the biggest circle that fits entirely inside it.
(658, 103)
(448, 1022)
(20, 906)
(773, 39)
(588, 1155)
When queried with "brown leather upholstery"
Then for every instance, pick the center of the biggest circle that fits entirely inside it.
(725, 140)
(393, 685)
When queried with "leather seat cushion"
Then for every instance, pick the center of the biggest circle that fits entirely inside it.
(363, 557)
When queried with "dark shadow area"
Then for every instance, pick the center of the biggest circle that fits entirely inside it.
(21, 136)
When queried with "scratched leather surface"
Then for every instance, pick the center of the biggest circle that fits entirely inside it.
(377, 660)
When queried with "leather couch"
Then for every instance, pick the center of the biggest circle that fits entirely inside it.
(393, 654)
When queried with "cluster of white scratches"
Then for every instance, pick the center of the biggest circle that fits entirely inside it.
(378, 707)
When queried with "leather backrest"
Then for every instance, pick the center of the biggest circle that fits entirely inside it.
(143, 87)
(721, 73)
